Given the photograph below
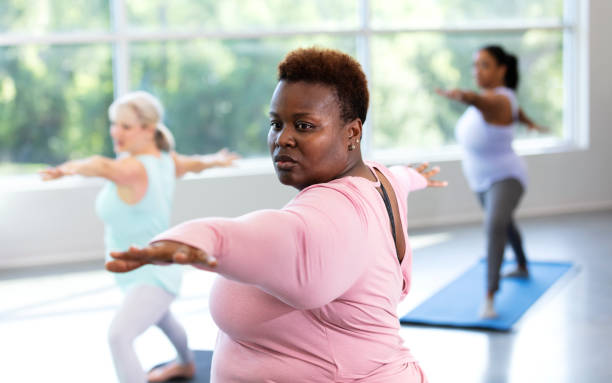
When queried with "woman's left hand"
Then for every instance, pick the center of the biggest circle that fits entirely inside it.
(159, 253)
(225, 158)
(428, 173)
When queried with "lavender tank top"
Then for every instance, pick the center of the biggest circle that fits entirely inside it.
(488, 156)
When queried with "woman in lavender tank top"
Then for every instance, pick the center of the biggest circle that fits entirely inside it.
(493, 170)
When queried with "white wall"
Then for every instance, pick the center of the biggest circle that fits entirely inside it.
(57, 223)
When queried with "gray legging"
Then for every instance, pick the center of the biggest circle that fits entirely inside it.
(143, 306)
(499, 202)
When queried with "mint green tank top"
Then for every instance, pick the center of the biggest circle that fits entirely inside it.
(137, 224)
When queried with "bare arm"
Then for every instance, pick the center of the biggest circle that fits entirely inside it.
(495, 108)
(524, 119)
(122, 171)
(197, 163)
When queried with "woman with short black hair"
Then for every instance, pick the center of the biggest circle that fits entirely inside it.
(309, 293)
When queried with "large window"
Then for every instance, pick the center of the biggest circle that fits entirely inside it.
(213, 65)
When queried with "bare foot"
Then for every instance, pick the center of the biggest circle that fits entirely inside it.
(519, 272)
(171, 370)
(487, 311)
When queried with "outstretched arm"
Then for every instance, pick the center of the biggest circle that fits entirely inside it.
(121, 171)
(197, 163)
(524, 119)
(495, 108)
(306, 255)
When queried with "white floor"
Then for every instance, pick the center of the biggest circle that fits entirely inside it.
(53, 327)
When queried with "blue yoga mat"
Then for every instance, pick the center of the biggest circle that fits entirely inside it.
(458, 304)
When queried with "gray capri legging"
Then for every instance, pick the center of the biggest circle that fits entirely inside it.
(499, 203)
(142, 307)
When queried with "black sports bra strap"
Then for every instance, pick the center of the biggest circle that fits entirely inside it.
(389, 211)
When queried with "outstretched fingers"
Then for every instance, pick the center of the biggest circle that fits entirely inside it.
(437, 184)
(421, 168)
(135, 254)
(191, 256)
(226, 157)
(123, 266)
(50, 174)
(441, 92)
(430, 173)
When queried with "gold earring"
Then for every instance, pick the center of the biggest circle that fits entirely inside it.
(352, 147)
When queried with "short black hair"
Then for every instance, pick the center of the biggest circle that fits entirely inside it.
(332, 68)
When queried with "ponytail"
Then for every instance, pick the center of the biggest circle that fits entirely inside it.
(164, 140)
(511, 78)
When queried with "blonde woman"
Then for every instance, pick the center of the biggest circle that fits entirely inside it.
(135, 205)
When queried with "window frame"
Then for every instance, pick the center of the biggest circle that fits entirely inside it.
(574, 27)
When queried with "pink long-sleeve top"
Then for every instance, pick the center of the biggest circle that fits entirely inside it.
(309, 293)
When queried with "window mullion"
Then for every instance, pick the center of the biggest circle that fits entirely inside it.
(121, 52)
(365, 57)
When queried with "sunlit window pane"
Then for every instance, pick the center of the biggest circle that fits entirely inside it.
(217, 92)
(213, 65)
(408, 67)
(53, 102)
(38, 16)
(413, 13)
(241, 14)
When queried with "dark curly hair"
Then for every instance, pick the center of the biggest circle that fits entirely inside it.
(332, 68)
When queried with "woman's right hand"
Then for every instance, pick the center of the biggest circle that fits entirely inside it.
(424, 170)
(538, 128)
(161, 253)
(53, 173)
(452, 94)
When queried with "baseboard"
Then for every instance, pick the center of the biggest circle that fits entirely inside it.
(418, 223)
(527, 212)
(583, 207)
(50, 259)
